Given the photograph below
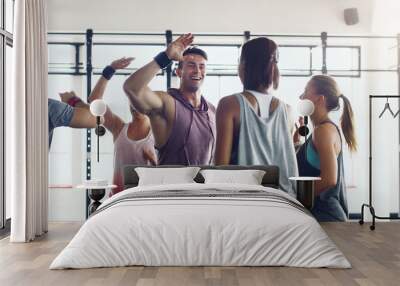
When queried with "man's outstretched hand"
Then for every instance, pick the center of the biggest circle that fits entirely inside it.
(176, 48)
(66, 96)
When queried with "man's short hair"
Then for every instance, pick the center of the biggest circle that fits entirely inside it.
(194, 51)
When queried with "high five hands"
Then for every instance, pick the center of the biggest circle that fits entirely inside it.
(176, 48)
(121, 63)
(67, 95)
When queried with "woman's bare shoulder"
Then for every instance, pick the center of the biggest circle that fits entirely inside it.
(228, 101)
(325, 133)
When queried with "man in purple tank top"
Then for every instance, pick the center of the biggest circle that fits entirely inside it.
(183, 122)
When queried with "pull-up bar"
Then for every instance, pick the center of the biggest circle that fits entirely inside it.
(246, 35)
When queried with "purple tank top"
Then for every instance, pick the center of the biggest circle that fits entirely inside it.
(192, 138)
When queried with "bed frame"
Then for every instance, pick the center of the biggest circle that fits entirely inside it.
(270, 179)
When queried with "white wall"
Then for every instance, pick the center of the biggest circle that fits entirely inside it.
(309, 17)
(229, 16)
(385, 16)
(385, 151)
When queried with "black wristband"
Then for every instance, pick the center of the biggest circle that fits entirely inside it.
(162, 60)
(108, 72)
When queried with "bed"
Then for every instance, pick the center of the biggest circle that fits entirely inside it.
(201, 224)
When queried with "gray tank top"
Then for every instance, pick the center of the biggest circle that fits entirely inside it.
(331, 204)
(192, 138)
(266, 139)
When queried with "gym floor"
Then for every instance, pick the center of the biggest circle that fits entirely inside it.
(374, 255)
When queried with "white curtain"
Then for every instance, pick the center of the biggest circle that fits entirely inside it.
(28, 123)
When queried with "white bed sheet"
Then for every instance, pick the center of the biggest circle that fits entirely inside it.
(192, 231)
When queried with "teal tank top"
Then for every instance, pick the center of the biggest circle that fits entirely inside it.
(331, 204)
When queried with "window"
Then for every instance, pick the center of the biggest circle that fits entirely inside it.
(6, 42)
(9, 15)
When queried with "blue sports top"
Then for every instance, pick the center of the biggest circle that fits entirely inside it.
(331, 204)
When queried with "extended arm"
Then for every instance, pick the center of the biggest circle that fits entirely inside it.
(136, 86)
(111, 121)
(61, 114)
(100, 87)
(70, 98)
(82, 118)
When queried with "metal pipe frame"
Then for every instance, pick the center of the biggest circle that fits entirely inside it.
(371, 97)
(168, 40)
(246, 36)
(370, 204)
(128, 44)
(230, 35)
(89, 46)
(398, 90)
(309, 71)
(324, 38)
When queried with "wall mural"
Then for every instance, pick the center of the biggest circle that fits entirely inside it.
(184, 125)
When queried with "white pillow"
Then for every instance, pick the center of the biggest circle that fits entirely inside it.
(163, 176)
(248, 177)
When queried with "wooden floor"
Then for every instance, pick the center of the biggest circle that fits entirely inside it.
(374, 255)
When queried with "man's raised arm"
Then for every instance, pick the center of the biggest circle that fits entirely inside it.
(136, 86)
(140, 95)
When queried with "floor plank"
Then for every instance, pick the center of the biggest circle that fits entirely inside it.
(374, 255)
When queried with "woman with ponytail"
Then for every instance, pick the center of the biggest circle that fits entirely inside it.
(322, 154)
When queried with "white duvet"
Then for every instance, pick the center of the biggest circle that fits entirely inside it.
(185, 230)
